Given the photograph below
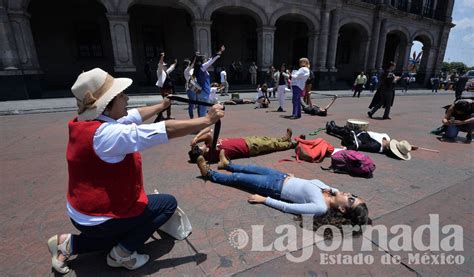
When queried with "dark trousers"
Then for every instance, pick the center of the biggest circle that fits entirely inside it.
(159, 117)
(458, 94)
(296, 100)
(357, 90)
(387, 99)
(366, 143)
(131, 233)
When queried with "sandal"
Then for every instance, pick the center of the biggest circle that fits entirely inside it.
(115, 260)
(55, 249)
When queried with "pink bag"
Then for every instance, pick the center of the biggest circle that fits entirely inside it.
(352, 162)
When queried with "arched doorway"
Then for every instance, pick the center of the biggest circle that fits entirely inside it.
(70, 37)
(235, 28)
(156, 29)
(291, 41)
(395, 50)
(351, 51)
(421, 44)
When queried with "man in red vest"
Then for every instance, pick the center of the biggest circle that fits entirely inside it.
(106, 201)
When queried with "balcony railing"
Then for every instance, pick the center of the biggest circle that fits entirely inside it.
(370, 1)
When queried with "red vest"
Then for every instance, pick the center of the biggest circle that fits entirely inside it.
(97, 188)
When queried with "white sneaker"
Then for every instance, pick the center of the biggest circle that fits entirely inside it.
(55, 248)
(131, 262)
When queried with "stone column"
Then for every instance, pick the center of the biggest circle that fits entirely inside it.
(364, 52)
(449, 10)
(313, 43)
(374, 44)
(433, 8)
(323, 41)
(382, 41)
(202, 36)
(442, 43)
(406, 56)
(430, 63)
(122, 47)
(333, 40)
(265, 41)
(8, 54)
(408, 5)
(28, 59)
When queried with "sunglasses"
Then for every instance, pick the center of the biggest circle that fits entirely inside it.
(351, 199)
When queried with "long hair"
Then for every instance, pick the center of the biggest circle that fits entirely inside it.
(356, 217)
(197, 65)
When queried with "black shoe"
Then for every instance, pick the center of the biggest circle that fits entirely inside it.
(468, 138)
(370, 114)
(386, 117)
(280, 110)
(328, 127)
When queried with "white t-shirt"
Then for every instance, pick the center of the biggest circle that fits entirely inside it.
(223, 76)
(379, 138)
(213, 95)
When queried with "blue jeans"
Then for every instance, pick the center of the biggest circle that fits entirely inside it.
(131, 233)
(453, 130)
(262, 180)
(191, 95)
(296, 100)
(202, 110)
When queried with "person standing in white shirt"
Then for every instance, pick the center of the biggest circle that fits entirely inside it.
(298, 82)
(165, 83)
(253, 73)
(106, 200)
(281, 79)
(224, 83)
(188, 74)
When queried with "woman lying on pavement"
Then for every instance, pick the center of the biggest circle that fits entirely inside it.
(300, 196)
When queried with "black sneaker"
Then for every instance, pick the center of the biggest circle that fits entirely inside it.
(369, 114)
(469, 138)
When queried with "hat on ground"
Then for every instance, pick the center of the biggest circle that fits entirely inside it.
(94, 89)
(401, 149)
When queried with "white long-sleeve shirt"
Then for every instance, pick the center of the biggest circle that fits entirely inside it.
(113, 140)
(161, 74)
(188, 73)
(299, 77)
(209, 62)
(306, 197)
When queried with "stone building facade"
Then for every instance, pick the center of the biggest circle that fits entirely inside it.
(45, 44)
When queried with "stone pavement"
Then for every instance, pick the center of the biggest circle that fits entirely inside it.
(34, 180)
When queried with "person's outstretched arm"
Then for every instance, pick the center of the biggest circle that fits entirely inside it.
(207, 64)
(293, 208)
(149, 111)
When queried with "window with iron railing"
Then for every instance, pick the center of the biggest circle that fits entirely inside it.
(416, 6)
(88, 41)
(428, 8)
(402, 5)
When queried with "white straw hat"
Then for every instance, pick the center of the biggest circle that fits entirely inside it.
(94, 89)
(401, 149)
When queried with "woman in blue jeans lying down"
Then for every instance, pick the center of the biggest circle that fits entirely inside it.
(288, 193)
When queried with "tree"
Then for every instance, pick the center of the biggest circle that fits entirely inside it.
(457, 66)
